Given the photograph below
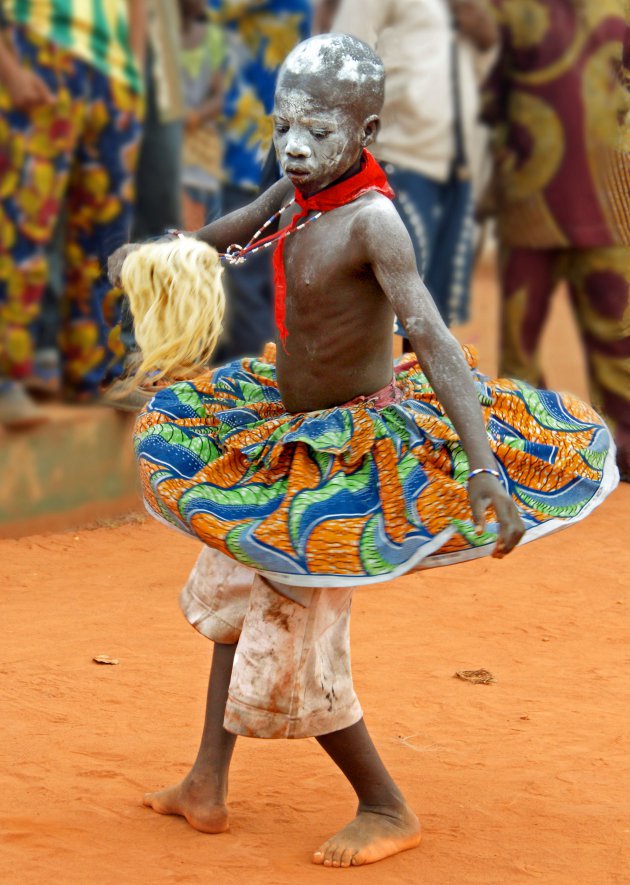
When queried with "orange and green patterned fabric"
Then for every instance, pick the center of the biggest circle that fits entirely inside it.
(354, 494)
(97, 31)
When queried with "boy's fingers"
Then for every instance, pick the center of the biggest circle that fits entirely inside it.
(479, 507)
(511, 526)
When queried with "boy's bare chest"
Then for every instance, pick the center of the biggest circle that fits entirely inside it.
(319, 256)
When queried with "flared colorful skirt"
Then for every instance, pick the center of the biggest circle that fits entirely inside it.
(358, 494)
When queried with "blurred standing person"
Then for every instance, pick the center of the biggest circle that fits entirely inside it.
(70, 101)
(158, 203)
(431, 105)
(324, 13)
(203, 55)
(158, 177)
(561, 189)
(259, 35)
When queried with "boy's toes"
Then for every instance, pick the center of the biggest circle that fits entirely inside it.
(332, 854)
(335, 858)
(346, 858)
(321, 854)
(157, 802)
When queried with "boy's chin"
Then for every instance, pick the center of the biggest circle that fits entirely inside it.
(298, 179)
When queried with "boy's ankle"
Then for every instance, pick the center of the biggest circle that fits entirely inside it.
(394, 806)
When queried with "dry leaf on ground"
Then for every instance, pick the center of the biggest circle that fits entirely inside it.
(479, 677)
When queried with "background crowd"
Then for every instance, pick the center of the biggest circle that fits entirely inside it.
(120, 119)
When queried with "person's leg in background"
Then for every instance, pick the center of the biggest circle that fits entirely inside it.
(200, 206)
(528, 278)
(449, 270)
(36, 152)
(45, 380)
(599, 281)
(249, 321)
(100, 205)
(158, 204)
(158, 175)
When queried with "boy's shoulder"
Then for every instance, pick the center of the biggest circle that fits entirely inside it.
(375, 216)
(381, 234)
(373, 205)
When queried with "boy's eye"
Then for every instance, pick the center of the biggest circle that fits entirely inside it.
(320, 133)
(282, 127)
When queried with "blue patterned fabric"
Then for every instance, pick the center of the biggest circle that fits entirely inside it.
(260, 34)
(357, 494)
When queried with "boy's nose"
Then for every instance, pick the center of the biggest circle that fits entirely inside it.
(297, 148)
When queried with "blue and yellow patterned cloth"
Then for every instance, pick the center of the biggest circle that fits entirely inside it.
(96, 31)
(260, 34)
(80, 151)
(354, 494)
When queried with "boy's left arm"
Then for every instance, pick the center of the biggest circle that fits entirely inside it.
(390, 254)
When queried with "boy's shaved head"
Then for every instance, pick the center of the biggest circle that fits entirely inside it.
(350, 68)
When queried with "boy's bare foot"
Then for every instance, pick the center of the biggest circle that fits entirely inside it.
(191, 799)
(371, 836)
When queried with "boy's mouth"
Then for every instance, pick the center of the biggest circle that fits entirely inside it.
(297, 172)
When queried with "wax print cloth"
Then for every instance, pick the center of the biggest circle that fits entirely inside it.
(354, 494)
(80, 151)
(96, 31)
(259, 34)
(555, 99)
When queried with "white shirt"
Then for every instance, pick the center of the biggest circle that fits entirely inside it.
(413, 38)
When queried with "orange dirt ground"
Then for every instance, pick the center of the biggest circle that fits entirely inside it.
(524, 779)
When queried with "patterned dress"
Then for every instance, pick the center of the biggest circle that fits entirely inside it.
(79, 151)
(358, 494)
(555, 99)
(260, 34)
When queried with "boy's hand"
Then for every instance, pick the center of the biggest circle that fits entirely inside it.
(486, 491)
(116, 261)
(26, 89)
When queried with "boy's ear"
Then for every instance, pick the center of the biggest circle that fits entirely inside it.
(371, 128)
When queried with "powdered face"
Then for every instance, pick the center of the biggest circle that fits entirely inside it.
(329, 90)
(316, 143)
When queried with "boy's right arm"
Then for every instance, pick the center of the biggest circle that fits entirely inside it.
(241, 225)
(237, 227)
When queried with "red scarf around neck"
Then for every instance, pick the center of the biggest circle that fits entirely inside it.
(369, 178)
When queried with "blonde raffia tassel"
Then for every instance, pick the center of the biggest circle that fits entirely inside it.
(177, 301)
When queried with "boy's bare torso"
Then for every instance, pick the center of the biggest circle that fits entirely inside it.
(339, 320)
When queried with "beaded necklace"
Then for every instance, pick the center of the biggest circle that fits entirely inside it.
(369, 178)
(236, 254)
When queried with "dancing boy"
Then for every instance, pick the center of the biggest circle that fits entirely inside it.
(315, 468)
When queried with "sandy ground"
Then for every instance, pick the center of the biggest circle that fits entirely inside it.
(525, 779)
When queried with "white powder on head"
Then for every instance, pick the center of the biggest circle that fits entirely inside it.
(343, 58)
(305, 58)
(350, 71)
